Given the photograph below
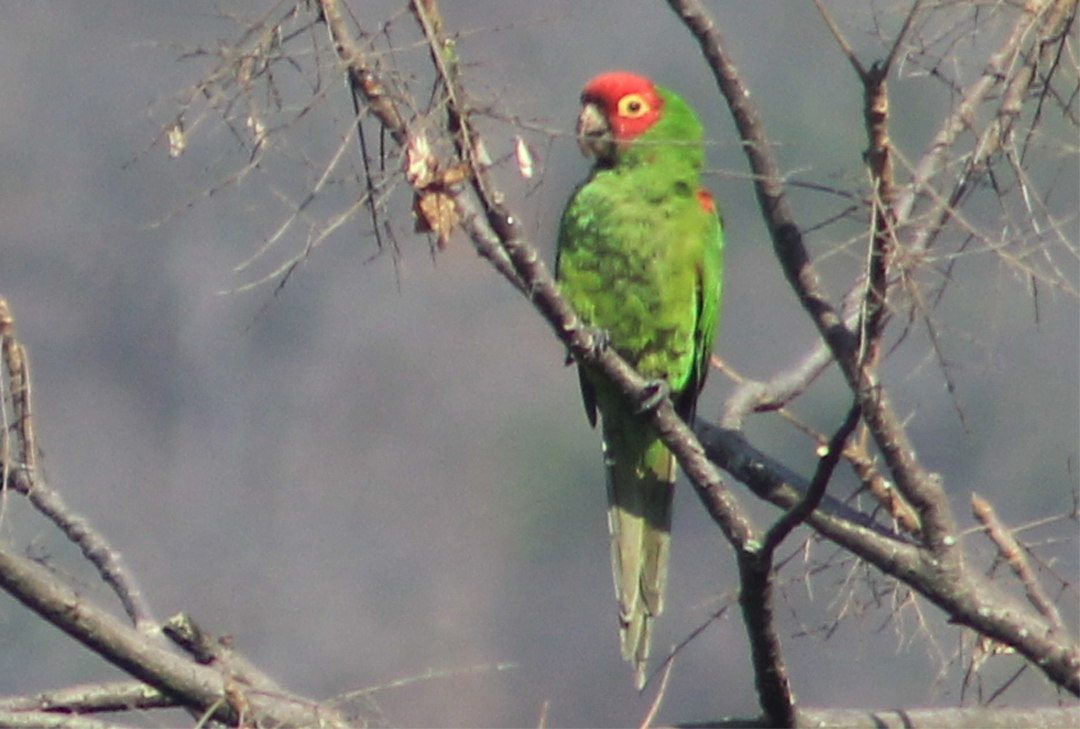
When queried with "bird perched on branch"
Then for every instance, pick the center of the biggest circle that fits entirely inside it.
(639, 259)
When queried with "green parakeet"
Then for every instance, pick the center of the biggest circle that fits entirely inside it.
(639, 258)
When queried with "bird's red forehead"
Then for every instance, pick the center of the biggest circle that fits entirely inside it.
(608, 89)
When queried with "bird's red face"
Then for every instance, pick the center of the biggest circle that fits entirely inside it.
(615, 108)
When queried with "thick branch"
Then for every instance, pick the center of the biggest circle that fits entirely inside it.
(20, 473)
(768, 182)
(192, 684)
(211, 651)
(363, 75)
(497, 234)
(969, 599)
(756, 575)
(580, 341)
(770, 672)
(91, 698)
(920, 487)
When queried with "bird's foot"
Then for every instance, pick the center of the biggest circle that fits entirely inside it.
(654, 393)
(601, 340)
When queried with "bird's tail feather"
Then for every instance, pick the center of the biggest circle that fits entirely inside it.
(641, 473)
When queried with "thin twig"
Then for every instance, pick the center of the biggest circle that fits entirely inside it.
(756, 578)
(661, 691)
(22, 476)
(921, 488)
(816, 491)
(131, 651)
(92, 698)
(1013, 555)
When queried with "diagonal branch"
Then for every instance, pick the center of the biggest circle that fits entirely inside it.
(969, 599)
(497, 235)
(1039, 20)
(90, 698)
(194, 685)
(936, 572)
(815, 492)
(921, 488)
(1013, 554)
(768, 182)
(756, 579)
(21, 474)
(140, 651)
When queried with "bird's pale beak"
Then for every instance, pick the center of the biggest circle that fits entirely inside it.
(594, 135)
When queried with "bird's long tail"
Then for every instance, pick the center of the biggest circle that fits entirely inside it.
(641, 474)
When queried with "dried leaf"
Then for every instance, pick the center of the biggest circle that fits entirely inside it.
(435, 213)
(433, 205)
(480, 153)
(453, 175)
(177, 139)
(420, 163)
(255, 124)
(524, 158)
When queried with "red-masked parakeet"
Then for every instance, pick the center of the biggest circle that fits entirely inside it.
(639, 258)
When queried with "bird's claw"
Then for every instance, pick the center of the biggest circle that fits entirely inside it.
(601, 340)
(655, 392)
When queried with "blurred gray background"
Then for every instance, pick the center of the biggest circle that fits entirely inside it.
(385, 470)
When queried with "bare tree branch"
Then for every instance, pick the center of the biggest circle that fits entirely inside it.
(940, 575)
(919, 487)
(1013, 554)
(815, 492)
(131, 651)
(1041, 20)
(91, 698)
(968, 718)
(437, 155)
(211, 651)
(21, 474)
(53, 720)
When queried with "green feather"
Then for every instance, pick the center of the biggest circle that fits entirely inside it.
(640, 257)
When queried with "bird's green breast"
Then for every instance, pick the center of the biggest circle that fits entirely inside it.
(631, 247)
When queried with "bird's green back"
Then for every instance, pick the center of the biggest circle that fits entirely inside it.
(639, 257)
(640, 251)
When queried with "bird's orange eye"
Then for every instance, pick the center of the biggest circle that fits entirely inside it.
(632, 106)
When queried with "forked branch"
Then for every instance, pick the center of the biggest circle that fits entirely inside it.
(939, 572)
